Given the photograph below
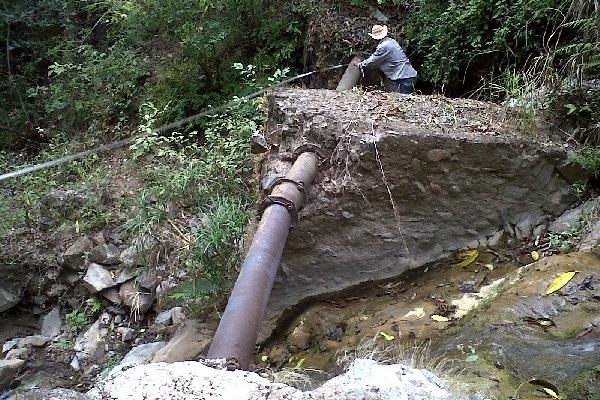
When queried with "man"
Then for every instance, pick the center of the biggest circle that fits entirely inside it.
(392, 60)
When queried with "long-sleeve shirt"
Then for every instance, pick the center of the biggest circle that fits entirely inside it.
(391, 60)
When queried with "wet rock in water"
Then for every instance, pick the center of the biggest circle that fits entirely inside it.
(365, 379)
(74, 257)
(50, 394)
(552, 337)
(51, 324)
(190, 339)
(34, 341)
(452, 186)
(136, 298)
(98, 278)
(105, 254)
(8, 371)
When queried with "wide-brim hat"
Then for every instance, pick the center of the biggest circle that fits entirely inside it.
(379, 32)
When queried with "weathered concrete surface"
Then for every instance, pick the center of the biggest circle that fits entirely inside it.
(455, 170)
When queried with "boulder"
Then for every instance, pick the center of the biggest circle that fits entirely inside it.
(74, 257)
(136, 298)
(567, 220)
(190, 339)
(105, 254)
(8, 371)
(98, 278)
(417, 188)
(10, 344)
(50, 394)
(365, 379)
(51, 324)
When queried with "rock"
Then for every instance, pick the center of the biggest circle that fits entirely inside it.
(9, 298)
(51, 324)
(10, 344)
(498, 240)
(177, 315)
(62, 204)
(57, 290)
(561, 353)
(126, 274)
(568, 220)
(71, 277)
(190, 339)
(75, 363)
(88, 343)
(148, 279)
(365, 379)
(135, 253)
(112, 295)
(173, 316)
(299, 339)
(99, 238)
(21, 353)
(126, 333)
(163, 318)
(524, 229)
(379, 16)
(50, 394)
(34, 341)
(8, 371)
(105, 254)
(134, 297)
(74, 257)
(452, 186)
(98, 278)
(591, 240)
(143, 353)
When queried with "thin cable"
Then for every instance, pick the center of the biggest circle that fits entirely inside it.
(161, 129)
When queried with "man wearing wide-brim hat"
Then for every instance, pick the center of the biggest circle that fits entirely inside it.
(392, 60)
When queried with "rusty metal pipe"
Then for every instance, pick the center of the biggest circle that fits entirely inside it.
(238, 329)
(351, 75)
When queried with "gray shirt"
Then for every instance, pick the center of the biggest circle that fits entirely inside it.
(391, 60)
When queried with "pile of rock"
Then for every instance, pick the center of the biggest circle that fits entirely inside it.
(112, 273)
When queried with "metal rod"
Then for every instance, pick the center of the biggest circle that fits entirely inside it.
(351, 75)
(238, 329)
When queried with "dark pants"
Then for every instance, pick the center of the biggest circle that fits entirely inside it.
(406, 85)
